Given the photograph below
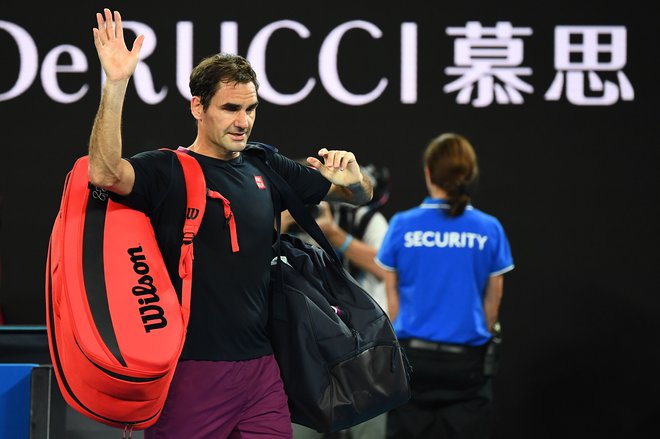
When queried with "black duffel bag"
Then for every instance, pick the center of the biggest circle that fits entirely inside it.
(339, 357)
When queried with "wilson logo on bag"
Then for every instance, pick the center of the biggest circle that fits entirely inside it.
(115, 325)
(146, 288)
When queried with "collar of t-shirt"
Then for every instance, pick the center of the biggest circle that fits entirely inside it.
(435, 203)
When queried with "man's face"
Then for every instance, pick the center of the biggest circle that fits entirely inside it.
(227, 123)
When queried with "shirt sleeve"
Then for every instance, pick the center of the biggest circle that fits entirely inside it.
(389, 249)
(306, 181)
(153, 171)
(502, 259)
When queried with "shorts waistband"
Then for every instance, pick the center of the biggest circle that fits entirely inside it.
(416, 343)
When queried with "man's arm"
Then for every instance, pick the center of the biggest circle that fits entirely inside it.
(357, 193)
(107, 169)
(357, 251)
(363, 256)
(492, 299)
(342, 170)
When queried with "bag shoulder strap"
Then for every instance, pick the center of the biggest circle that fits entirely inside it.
(291, 200)
(195, 208)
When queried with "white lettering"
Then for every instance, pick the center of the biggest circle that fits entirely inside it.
(488, 64)
(50, 68)
(454, 239)
(28, 60)
(144, 79)
(441, 242)
(328, 65)
(257, 57)
(601, 49)
(427, 237)
(184, 57)
(430, 238)
(482, 241)
(409, 63)
(144, 82)
(229, 37)
(417, 238)
(184, 50)
(408, 237)
(470, 237)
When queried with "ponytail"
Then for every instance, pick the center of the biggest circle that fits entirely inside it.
(452, 165)
(458, 200)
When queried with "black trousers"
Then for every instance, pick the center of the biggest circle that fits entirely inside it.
(451, 397)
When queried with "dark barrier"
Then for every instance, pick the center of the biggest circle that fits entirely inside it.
(30, 400)
(52, 418)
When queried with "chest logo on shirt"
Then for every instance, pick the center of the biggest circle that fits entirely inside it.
(260, 182)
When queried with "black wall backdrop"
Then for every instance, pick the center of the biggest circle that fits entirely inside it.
(570, 170)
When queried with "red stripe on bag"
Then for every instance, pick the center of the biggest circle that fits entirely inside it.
(229, 216)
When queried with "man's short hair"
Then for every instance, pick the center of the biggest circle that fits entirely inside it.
(206, 77)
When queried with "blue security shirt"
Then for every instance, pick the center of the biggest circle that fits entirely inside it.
(443, 264)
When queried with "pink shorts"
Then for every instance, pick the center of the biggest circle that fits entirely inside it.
(225, 399)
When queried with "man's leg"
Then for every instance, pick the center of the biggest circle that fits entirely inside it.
(266, 411)
(202, 402)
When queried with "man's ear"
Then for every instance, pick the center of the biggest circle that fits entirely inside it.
(196, 107)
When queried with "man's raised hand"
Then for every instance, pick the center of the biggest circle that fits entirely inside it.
(117, 61)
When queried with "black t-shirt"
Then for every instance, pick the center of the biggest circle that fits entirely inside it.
(229, 304)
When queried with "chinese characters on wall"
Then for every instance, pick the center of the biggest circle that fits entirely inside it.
(488, 64)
